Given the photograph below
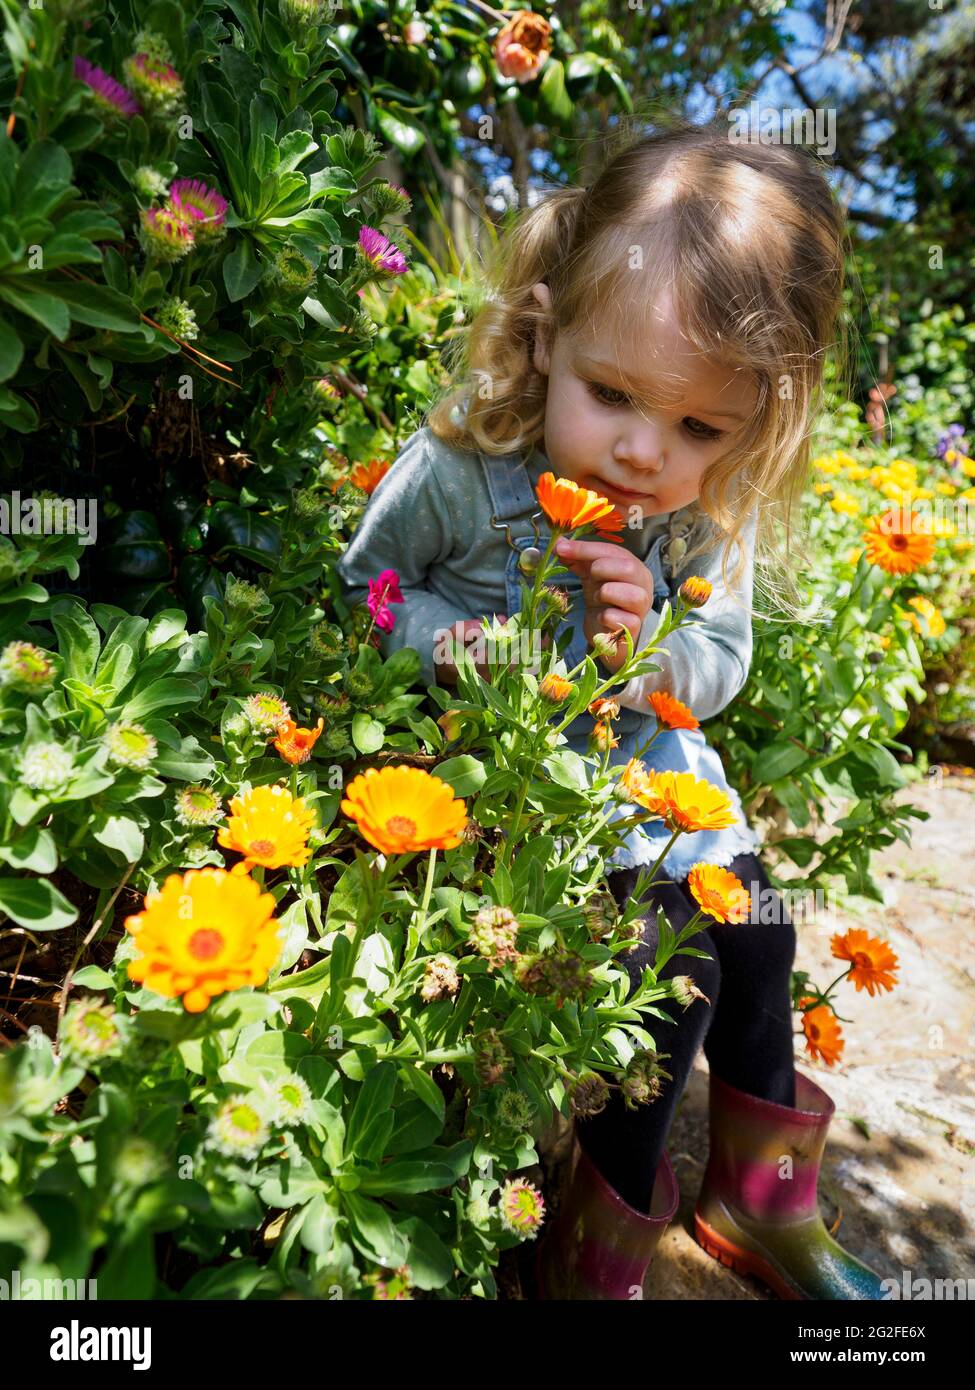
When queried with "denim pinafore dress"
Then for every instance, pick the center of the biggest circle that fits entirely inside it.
(513, 501)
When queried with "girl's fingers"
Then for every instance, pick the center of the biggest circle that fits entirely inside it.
(616, 617)
(629, 597)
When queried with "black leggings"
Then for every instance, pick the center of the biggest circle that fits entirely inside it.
(747, 1028)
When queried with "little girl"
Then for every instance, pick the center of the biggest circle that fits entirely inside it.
(657, 337)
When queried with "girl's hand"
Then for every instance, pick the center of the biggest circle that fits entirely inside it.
(617, 590)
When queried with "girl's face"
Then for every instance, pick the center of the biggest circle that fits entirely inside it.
(602, 433)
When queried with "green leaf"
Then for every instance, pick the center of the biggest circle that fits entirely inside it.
(373, 1232)
(11, 351)
(465, 774)
(121, 833)
(368, 734)
(401, 129)
(99, 307)
(552, 96)
(49, 312)
(241, 270)
(78, 640)
(34, 850)
(166, 694)
(36, 903)
(777, 760)
(93, 977)
(373, 1104)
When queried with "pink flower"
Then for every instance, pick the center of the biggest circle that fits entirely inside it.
(109, 93)
(383, 591)
(380, 252)
(201, 206)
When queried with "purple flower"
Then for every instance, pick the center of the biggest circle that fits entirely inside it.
(380, 252)
(201, 206)
(106, 90)
(382, 591)
(166, 234)
(953, 438)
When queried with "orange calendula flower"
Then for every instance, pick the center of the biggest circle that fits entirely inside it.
(295, 744)
(270, 827)
(570, 507)
(368, 476)
(695, 591)
(601, 738)
(403, 809)
(873, 962)
(203, 933)
(932, 616)
(898, 541)
(670, 712)
(823, 1033)
(633, 779)
(719, 893)
(555, 688)
(686, 803)
(605, 709)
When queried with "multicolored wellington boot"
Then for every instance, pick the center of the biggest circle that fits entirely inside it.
(757, 1212)
(599, 1247)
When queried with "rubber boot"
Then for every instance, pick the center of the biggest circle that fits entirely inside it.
(758, 1214)
(599, 1247)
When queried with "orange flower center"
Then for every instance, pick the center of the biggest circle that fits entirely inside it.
(861, 959)
(401, 825)
(814, 1032)
(898, 542)
(205, 944)
(261, 846)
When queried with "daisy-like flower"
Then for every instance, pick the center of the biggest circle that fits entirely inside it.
(899, 541)
(138, 1162)
(873, 963)
(515, 1110)
(111, 96)
(46, 766)
(240, 596)
(199, 205)
(400, 810)
(294, 743)
(521, 1208)
(129, 745)
(523, 46)
(686, 803)
(670, 712)
(604, 709)
(570, 507)
(287, 1101)
(265, 712)
(719, 893)
(203, 933)
(632, 783)
(25, 666)
(89, 1031)
(166, 234)
(602, 739)
(158, 84)
(238, 1129)
(932, 616)
(383, 591)
(823, 1033)
(368, 476)
(328, 391)
(293, 271)
(494, 935)
(380, 252)
(555, 688)
(845, 504)
(149, 182)
(268, 826)
(695, 591)
(198, 805)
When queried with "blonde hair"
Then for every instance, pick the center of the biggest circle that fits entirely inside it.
(750, 240)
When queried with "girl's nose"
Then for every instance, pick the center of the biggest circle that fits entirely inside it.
(641, 449)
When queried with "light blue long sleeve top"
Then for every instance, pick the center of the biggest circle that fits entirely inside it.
(430, 520)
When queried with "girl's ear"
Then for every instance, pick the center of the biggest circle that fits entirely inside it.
(542, 356)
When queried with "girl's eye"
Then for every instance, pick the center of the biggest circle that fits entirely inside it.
(704, 431)
(601, 393)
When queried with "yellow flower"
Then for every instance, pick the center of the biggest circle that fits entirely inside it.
(555, 688)
(827, 465)
(946, 489)
(820, 489)
(853, 556)
(695, 591)
(856, 472)
(403, 809)
(269, 827)
(932, 616)
(845, 504)
(205, 932)
(685, 802)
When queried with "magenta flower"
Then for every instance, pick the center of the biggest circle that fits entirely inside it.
(166, 234)
(521, 1207)
(158, 83)
(382, 591)
(201, 206)
(107, 92)
(380, 252)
